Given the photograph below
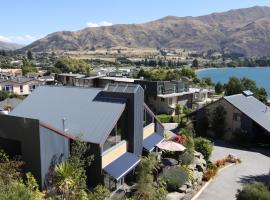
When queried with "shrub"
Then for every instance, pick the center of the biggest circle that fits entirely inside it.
(164, 118)
(188, 170)
(210, 173)
(221, 162)
(253, 191)
(211, 165)
(188, 141)
(174, 178)
(204, 146)
(99, 193)
(186, 158)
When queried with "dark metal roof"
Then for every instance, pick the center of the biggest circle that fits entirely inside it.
(82, 113)
(126, 88)
(150, 142)
(122, 165)
(253, 108)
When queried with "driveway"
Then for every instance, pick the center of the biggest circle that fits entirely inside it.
(255, 166)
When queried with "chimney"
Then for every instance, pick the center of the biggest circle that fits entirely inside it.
(64, 125)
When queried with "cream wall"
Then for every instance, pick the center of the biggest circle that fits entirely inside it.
(112, 154)
(16, 86)
(148, 130)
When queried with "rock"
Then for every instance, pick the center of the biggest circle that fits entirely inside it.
(175, 196)
(200, 164)
(183, 189)
(198, 155)
(192, 166)
(188, 184)
(197, 176)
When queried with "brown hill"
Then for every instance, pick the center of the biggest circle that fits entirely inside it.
(237, 31)
(9, 46)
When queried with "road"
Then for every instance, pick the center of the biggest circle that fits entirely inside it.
(254, 166)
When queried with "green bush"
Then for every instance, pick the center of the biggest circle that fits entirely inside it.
(186, 158)
(253, 191)
(211, 165)
(204, 146)
(174, 178)
(164, 118)
(3, 95)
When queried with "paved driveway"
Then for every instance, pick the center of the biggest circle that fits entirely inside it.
(254, 166)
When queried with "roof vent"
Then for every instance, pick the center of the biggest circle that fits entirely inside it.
(247, 93)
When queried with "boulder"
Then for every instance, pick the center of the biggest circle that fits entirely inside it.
(175, 196)
(188, 184)
(198, 155)
(183, 189)
(197, 176)
(200, 164)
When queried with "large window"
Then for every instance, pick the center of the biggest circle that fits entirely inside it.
(114, 138)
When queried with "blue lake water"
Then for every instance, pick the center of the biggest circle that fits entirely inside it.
(259, 74)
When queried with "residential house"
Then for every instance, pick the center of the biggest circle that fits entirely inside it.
(244, 114)
(81, 80)
(114, 121)
(19, 85)
(162, 96)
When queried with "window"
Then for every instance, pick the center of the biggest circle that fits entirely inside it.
(160, 89)
(162, 99)
(236, 116)
(32, 87)
(8, 88)
(115, 136)
(170, 101)
(21, 88)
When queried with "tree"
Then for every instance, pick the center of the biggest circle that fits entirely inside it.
(234, 86)
(29, 55)
(146, 187)
(178, 111)
(218, 121)
(69, 177)
(73, 65)
(219, 88)
(3, 95)
(195, 63)
(207, 81)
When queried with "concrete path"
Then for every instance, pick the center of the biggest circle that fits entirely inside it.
(255, 166)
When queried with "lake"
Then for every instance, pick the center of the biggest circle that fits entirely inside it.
(259, 74)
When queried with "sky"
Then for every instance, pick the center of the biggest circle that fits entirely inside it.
(23, 21)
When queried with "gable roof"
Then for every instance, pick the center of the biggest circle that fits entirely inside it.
(252, 107)
(84, 114)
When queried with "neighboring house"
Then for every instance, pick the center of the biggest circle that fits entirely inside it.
(19, 85)
(81, 80)
(162, 96)
(12, 72)
(115, 122)
(244, 113)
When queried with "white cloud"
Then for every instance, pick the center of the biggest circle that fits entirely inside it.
(24, 39)
(103, 23)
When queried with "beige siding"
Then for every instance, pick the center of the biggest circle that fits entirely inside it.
(114, 153)
(148, 130)
(231, 124)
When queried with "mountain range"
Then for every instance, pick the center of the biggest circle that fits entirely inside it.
(244, 31)
(9, 46)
